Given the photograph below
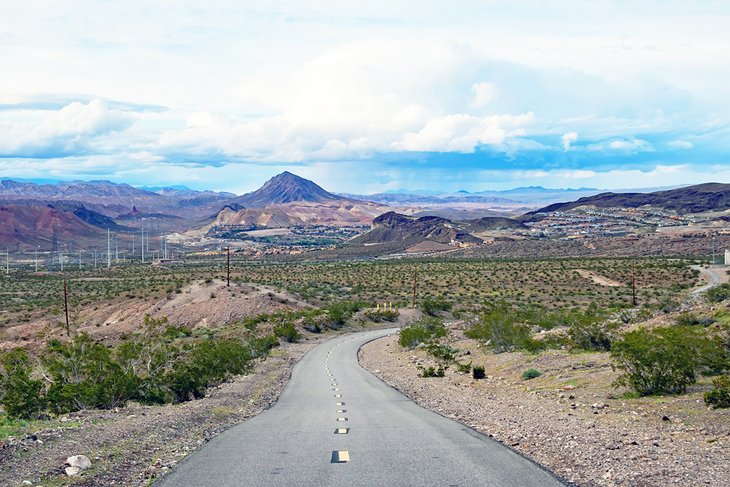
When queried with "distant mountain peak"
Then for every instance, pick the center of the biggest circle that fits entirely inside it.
(287, 188)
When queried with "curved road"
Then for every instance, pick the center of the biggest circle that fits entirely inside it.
(714, 277)
(333, 405)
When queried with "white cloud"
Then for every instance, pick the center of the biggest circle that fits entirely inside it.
(567, 139)
(72, 128)
(483, 93)
(680, 144)
(463, 133)
(632, 145)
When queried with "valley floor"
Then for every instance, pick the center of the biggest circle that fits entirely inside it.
(570, 419)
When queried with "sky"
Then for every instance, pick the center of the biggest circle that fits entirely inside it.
(364, 97)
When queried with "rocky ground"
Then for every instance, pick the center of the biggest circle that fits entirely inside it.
(133, 445)
(570, 419)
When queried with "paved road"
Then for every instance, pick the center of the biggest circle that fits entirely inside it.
(713, 275)
(389, 440)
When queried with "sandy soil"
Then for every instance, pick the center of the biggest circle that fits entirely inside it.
(200, 304)
(598, 279)
(570, 419)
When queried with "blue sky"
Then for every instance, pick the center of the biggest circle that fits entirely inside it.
(367, 96)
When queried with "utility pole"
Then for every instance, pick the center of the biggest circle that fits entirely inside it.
(228, 265)
(116, 248)
(108, 249)
(79, 260)
(633, 287)
(713, 252)
(143, 245)
(7, 262)
(60, 258)
(415, 286)
(65, 307)
(36, 258)
(133, 246)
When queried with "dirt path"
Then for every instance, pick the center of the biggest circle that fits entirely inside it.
(598, 279)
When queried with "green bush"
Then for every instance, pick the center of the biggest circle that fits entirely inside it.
(442, 352)
(501, 331)
(463, 368)
(663, 360)
(719, 396)
(719, 293)
(21, 396)
(382, 315)
(478, 372)
(339, 313)
(288, 332)
(592, 332)
(433, 306)
(421, 331)
(691, 319)
(85, 375)
(531, 374)
(433, 372)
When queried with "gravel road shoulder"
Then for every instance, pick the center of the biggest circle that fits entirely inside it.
(569, 419)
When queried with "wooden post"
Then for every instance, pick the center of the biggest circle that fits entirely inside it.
(415, 286)
(633, 287)
(65, 307)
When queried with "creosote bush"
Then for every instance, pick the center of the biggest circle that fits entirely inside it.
(531, 374)
(421, 331)
(665, 360)
(433, 306)
(719, 396)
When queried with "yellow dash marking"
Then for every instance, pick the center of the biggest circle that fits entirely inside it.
(340, 456)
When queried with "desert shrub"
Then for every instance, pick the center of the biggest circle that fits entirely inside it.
(531, 374)
(288, 332)
(433, 372)
(421, 331)
(21, 396)
(719, 396)
(207, 364)
(501, 331)
(478, 372)
(463, 368)
(259, 347)
(691, 319)
(662, 360)
(442, 352)
(433, 306)
(592, 332)
(339, 313)
(718, 293)
(85, 375)
(382, 315)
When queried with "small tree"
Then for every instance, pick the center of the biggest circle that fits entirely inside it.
(662, 360)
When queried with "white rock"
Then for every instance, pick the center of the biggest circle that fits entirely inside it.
(72, 471)
(80, 461)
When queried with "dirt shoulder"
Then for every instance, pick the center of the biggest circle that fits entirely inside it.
(569, 419)
(133, 445)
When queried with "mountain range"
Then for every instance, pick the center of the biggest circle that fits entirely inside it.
(77, 211)
(690, 199)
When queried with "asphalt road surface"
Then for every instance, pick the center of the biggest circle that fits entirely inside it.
(337, 424)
